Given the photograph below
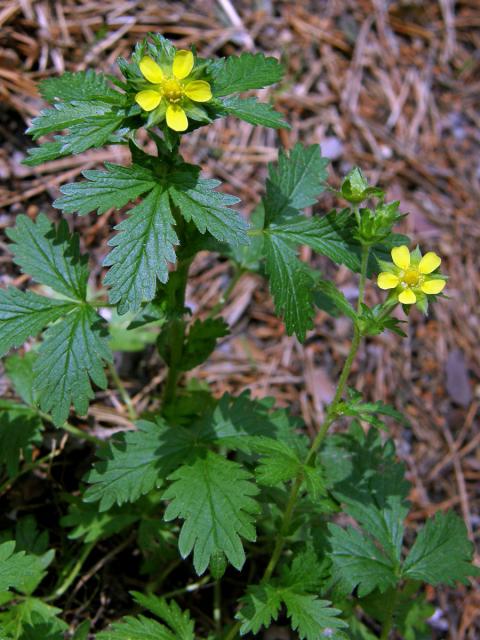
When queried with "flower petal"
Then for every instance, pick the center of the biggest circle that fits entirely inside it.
(176, 118)
(407, 297)
(433, 285)
(182, 64)
(148, 99)
(401, 256)
(198, 91)
(429, 262)
(150, 70)
(387, 280)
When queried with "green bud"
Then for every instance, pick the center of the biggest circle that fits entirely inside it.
(355, 188)
(376, 224)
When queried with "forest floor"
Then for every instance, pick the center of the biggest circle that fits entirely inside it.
(395, 91)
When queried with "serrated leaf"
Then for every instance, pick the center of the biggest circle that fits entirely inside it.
(330, 299)
(105, 189)
(16, 568)
(72, 354)
(442, 553)
(136, 462)
(358, 563)
(215, 498)
(209, 210)
(81, 85)
(24, 314)
(254, 112)
(142, 250)
(50, 254)
(64, 115)
(46, 152)
(261, 605)
(141, 628)
(201, 341)
(278, 462)
(32, 619)
(310, 617)
(247, 71)
(20, 430)
(369, 411)
(91, 132)
(170, 613)
(90, 525)
(291, 285)
(299, 176)
(20, 371)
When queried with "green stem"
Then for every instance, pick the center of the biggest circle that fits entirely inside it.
(387, 625)
(79, 433)
(127, 400)
(26, 468)
(363, 276)
(176, 331)
(77, 567)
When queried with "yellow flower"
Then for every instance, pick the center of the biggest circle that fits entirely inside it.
(172, 88)
(410, 276)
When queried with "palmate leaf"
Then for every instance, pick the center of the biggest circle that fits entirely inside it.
(50, 255)
(93, 131)
(46, 152)
(244, 72)
(291, 285)
(20, 430)
(25, 314)
(17, 568)
(369, 411)
(32, 619)
(261, 605)
(90, 525)
(105, 189)
(254, 112)
(310, 617)
(215, 498)
(442, 553)
(73, 352)
(136, 462)
(20, 372)
(201, 341)
(140, 628)
(141, 252)
(170, 613)
(64, 115)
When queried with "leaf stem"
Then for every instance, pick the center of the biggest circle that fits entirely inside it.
(363, 276)
(79, 433)
(127, 400)
(217, 607)
(238, 273)
(77, 567)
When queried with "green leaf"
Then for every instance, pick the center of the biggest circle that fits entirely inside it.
(299, 176)
(73, 353)
(261, 605)
(46, 152)
(51, 255)
(63, 116)
(20, 371)
(329, 235)
(369, 411)
(327, 296)
(90, 525)
(136, 462)
(442, 553)
(93, 131)
(291, 285)
(215, 498)
(208, 209)
(141, 628)
(81, 85)
(279, 462)
(105, 189)
(142, 251)
(310, 617)
(201, 341)
(20, 430)
(32, 619)
(358, 563)
(17, 568)
(254, 112)
(25, 314)
(306, 573)
(170, 613)
(247, 71)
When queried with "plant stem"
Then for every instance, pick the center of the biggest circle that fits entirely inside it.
(59, 591)
(387, 625)
(227, 293)
(127, 400)
(363, 276)
(217, 607)
(78, 433)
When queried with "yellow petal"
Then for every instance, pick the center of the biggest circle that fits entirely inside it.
(198, 91)
(407, 297)
(150, 70)
(433, 286)
(182, 64)
(176, 118)
(401, 256)
(429, 262)
(387, 280)
(148, 99)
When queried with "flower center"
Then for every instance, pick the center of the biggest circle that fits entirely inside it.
(172, 90)
(411, 277)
